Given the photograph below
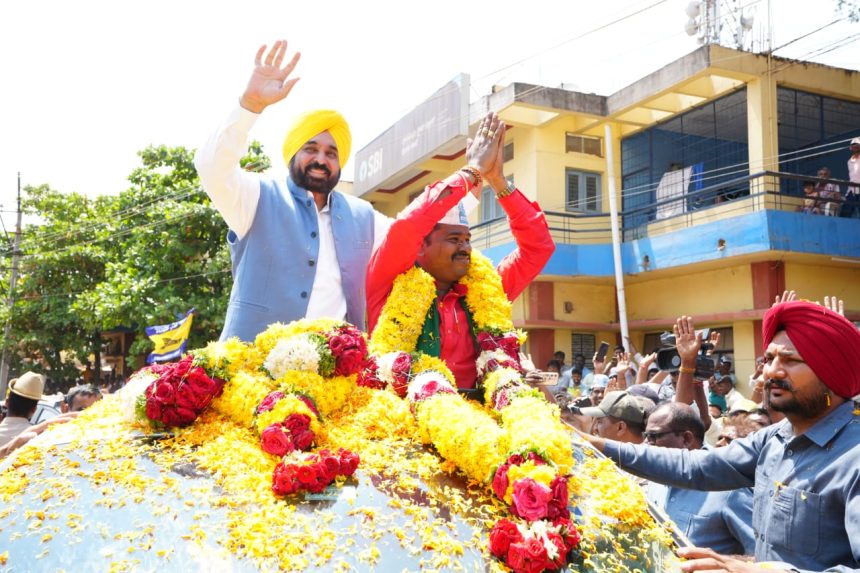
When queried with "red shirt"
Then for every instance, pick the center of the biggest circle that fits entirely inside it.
(400, 248)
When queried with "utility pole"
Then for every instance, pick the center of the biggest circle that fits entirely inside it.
(13, 279)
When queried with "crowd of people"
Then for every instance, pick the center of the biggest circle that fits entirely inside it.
(19, 422)
(775, 477)
(773, 484)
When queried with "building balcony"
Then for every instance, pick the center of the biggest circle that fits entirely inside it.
(749, 218)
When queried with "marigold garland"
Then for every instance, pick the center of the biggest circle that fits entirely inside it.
(402, 317)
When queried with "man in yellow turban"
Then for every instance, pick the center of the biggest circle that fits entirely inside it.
(299, 248)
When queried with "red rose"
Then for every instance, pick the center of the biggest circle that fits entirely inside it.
(153, 409)
(530, 499)
(297, 423)
(283, 480)
(338, 344)
(511, 345)
(348, 462)
(503, 534)
(516, 460)
(164, 393)
(184, 416)
(303, 440)
(185, 399)
(168, 417)
(368, 376)
(500, 481)
(536, 556)
(568, 532)
(401, 365)
(330, 467)
(349, 362)
(306, 474)
(269, 402)
(558, 504)
(562, 547)
(517, 556)
(486, 341)
(203, 387)
(275, 441)
(537, 459)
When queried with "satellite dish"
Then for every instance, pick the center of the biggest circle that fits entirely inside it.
(746, 22)
(691, 27)
(692, 9)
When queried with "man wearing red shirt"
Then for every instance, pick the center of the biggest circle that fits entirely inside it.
(433, 233)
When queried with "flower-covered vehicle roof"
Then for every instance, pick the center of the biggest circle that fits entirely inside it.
(299, 453)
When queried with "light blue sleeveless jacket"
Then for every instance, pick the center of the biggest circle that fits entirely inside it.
(274, 264)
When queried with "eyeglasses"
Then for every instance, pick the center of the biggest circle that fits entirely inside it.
(652, 437)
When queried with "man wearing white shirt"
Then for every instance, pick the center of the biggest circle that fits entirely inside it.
(851, 204)
(299, 249)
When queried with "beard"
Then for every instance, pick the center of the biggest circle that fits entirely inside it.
(806, 406)
(313, 184)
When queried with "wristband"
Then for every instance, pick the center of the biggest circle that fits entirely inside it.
(686, 370)
(476, 175)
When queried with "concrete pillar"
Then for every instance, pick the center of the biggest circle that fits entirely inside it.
(762, 133)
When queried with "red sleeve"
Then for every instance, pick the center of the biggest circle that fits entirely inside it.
(534, 244)
(399, 249)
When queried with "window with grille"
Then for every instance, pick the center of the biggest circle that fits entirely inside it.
(582, 344)
(583, 191)
(583, 144)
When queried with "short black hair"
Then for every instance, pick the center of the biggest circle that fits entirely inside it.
(21, 407)
(559, 353)
(683, 418)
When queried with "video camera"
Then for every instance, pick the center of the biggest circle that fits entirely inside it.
(669, 359)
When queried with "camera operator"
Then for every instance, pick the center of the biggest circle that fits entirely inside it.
(688, 343)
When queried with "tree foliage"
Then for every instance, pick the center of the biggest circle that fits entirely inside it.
(133, 260)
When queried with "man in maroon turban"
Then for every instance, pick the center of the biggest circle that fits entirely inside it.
(805, 470)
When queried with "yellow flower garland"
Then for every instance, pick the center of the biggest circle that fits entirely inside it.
(463, 433)
(329, 394)
(267, 339)
(402, 318)
(241, 395)
(289, 404)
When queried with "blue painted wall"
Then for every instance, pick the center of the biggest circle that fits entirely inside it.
(754, 232)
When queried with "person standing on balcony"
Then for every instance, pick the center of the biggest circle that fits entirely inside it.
(851, 205)
(432, 233)
(829, 195)
(298, 247)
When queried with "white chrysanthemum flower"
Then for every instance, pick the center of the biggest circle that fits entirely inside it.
(418, 383)
(498, 355)
(385, 366)
(295, 353)
(128, 394)
(538, 530)
(508, 377)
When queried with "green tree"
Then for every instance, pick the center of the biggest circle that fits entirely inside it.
(58, 262)
(132, 260)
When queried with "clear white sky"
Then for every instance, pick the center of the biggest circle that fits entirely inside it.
(87, 84)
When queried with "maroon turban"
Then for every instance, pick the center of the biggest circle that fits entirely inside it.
(828, 342)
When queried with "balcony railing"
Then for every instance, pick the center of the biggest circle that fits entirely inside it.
(765, 190)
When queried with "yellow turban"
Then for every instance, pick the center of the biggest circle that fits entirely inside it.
(312, 123)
